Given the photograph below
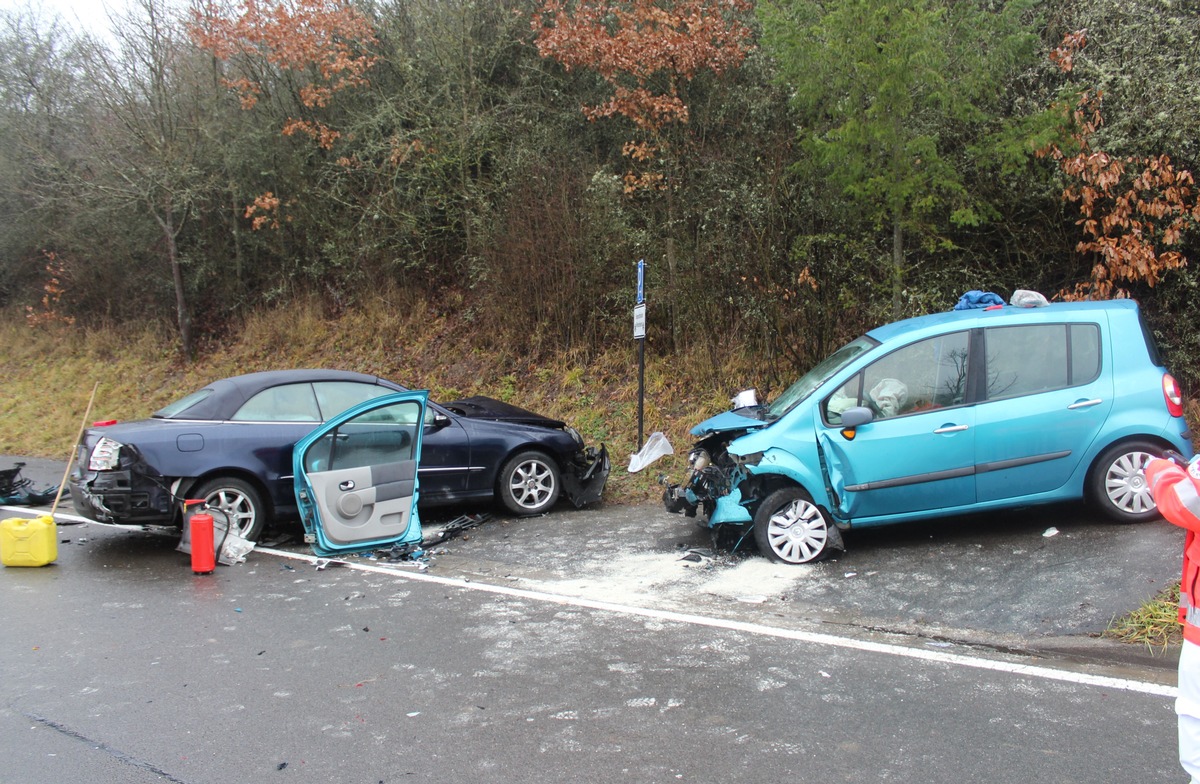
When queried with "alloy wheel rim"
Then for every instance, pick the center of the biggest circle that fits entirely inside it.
(1125, 483)
(237, 506)
(531, 484)
(798, 532)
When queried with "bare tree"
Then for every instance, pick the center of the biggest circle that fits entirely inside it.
(151, 146)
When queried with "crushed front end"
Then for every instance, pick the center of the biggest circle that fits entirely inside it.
(585, 469)
(712, 489)
(585, 476)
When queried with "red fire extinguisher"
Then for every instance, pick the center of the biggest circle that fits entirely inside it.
(204, 557)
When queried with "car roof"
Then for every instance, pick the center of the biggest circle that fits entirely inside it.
(228, 394)
(986, 317)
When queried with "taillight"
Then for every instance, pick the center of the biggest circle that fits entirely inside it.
(106, 455)
(1173, 395)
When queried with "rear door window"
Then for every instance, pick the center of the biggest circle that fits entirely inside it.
(1026, 360)
(286, 403)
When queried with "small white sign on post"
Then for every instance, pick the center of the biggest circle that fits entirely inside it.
(639, 321)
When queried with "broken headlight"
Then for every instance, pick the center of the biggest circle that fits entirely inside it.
(754, 458)
(106, 455)
(698, 460)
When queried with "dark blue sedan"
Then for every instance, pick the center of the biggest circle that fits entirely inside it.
(230, 444)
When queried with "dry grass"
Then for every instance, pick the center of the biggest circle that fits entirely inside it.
(1154, 624)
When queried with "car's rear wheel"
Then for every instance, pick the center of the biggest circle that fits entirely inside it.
(239, 500)
(1118, 485)
(790, 528)
(529, 483)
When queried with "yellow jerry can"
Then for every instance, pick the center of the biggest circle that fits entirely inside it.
(28, 542)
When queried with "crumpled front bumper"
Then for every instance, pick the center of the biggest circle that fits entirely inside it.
(584, 479)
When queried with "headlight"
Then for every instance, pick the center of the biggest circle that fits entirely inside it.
(106, 455)
(574, 434)
(698, 459)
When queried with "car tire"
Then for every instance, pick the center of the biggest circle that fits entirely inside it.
(1117, 482)
(529, 483)
(790, 528)
(239, 500)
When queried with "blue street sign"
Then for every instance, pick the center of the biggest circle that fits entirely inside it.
(641, 289)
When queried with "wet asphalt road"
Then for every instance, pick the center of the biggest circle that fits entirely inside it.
(580, 645)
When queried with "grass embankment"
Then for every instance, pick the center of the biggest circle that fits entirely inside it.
(49, 373)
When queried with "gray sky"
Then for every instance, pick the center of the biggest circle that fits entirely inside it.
(90, 15)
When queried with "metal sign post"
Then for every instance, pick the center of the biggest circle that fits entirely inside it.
(639, 334)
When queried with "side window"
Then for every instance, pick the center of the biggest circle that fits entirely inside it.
(334, 397)
(846, 396)
(288, 403)
(929, 374)
(1026, 360)
(385, 435)
(1085, 353)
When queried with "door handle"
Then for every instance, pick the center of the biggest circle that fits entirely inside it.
(1084, 404)
(950, 429)
(347, 485)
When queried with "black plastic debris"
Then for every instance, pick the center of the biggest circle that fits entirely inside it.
(276, 541)
(456, 527)
(17, 490)
(402, 552)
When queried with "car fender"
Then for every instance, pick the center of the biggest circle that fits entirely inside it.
(1131, 428)
(805, 471)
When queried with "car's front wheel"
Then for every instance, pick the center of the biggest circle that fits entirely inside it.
(529, 483)
(1118, 482)
(239, 501)
(790, 528)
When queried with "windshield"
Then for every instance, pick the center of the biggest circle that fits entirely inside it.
(181, 405)
(815, 377)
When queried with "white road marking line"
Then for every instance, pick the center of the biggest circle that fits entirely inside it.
(38, 511)
(815, 638)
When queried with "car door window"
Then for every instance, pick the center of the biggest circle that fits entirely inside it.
(386, 435)
(1026, 360)
(1085, 353)
(334, 397)
(286, 403)
(928, 374)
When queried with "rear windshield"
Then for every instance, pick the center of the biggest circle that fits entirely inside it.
(181, 405)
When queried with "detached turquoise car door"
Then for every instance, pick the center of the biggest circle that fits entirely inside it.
(356, 476)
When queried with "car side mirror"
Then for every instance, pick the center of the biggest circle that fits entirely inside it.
(858, 415)
(852, 418)
(440, 421)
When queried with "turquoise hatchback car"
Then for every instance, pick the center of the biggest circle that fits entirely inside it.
(943, 415)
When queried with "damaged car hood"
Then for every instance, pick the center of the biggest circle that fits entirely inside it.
(730, 421)
(481, 407)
